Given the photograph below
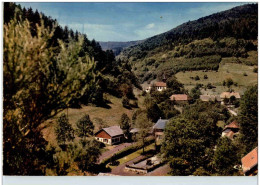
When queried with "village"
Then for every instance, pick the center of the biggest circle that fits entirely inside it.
(150, 94)
(151, 162)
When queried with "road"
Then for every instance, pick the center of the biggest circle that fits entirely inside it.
(111, 152)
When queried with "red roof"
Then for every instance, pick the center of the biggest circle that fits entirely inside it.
(249, 161)
(229, 94)
(234, 124)
(180, 97)
(160, 84)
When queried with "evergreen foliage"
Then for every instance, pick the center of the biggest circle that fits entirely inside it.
(63, 130)
(248, 118)
(125, 125)
(85, 127)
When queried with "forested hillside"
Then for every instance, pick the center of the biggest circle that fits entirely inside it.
(48, 68)
(199, 44)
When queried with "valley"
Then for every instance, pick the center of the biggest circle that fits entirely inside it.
(179, 103)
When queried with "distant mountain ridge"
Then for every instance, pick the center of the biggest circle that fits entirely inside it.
(196, 45)
(117, 47)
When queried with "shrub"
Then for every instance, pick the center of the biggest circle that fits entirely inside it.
(125, 102)
(135, 104)
(205, 76)
(229, 82)
(244, 74)
(197, 78)
(255, 70)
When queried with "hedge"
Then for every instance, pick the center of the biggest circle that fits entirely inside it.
(126, 152)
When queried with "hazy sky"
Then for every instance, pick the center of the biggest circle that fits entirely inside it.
(126, 21)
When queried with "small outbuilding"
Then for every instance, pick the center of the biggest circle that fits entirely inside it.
(110, 135)
(180, 98)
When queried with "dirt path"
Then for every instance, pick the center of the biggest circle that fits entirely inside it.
(109, 153)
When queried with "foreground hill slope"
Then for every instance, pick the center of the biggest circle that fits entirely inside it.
(198, 44)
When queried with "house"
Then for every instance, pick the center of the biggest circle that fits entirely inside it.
(210, 98)
(159, 128)
(250, 163)
(231, 130)
(180, 98)
(227, 95)
(159, 86)
(110, 135)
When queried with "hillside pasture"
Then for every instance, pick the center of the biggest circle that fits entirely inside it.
(226, 70)
(101, 117)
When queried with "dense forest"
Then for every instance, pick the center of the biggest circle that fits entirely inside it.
(230, 33)
(48, 68)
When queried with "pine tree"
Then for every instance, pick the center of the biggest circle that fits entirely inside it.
(85, 127)
(64, 131)
(125, 125)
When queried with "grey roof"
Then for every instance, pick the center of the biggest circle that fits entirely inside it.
(113, 130)
(160, 124)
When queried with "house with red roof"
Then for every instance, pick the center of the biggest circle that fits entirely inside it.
(184, 98)
(159, 86)
(110, 135)
(250, 163)
(231, 130)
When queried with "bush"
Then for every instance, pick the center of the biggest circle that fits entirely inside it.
(205, 76)
(255, 70)
(244, 74)
(125, 102)
(135, 104)
(197, 78)
(229, 82)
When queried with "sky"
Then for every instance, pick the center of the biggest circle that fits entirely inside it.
(126, 21)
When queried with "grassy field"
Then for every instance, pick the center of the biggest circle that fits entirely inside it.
(226, 70)
(101, 117)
